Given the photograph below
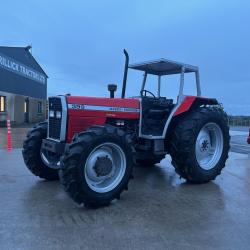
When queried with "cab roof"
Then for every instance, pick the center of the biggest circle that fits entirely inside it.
(163, 67)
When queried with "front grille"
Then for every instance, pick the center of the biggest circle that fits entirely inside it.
(55, 123)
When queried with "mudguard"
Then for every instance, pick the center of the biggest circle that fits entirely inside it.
(191, 102)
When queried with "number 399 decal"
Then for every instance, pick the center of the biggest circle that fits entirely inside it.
(76, 106)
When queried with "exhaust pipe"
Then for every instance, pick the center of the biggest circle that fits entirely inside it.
(125, 73)
(112, 88)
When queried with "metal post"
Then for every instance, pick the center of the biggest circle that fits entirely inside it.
(144, 81)
(198, 84)
(181, 85)
(159, 86)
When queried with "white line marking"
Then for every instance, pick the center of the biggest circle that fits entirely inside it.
(102, 108)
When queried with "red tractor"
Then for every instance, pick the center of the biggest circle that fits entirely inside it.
(93, 143)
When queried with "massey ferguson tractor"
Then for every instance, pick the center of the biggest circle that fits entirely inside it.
(93, 143)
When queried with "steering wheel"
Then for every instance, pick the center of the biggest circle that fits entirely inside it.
(144, 93)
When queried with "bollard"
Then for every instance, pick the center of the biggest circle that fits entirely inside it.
(9, 137)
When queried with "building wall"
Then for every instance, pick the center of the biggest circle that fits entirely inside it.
(15, 109)
(18, 109)
(34, 116)
(21, 78)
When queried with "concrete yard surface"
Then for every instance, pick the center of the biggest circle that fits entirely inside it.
(239, 141)
(160, 211)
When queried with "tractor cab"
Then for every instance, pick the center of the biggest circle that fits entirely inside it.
(156, 110)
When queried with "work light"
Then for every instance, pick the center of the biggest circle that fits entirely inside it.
(51, 113)
(58, 114)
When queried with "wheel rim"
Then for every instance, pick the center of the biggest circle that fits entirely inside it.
(105, 167)
(50, 159)
(209, 146)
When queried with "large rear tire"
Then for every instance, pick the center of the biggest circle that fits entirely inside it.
(32, 153)
(97, 166)
(199, 144)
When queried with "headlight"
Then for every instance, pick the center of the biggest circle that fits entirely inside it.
(51, 113)
(58, 114)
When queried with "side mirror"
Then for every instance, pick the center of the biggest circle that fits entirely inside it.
(112, 88)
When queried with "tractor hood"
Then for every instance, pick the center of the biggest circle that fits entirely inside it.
(84, 112)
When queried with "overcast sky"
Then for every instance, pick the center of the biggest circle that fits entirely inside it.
(79, 43)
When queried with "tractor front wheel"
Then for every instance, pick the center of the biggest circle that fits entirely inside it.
(38, 161)
(97, 166)
(199, 144)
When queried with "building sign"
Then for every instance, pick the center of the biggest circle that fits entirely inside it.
(21, 69)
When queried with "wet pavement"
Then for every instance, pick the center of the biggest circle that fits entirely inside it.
(17, 134)
(160, 211)
(239, 142)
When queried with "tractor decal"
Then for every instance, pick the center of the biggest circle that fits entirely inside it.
(102, 108)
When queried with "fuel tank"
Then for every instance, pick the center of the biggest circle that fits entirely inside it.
(84, 112)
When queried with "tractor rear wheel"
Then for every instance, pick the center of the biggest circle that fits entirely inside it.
(34, 157)
(97, 166)
(199, 144)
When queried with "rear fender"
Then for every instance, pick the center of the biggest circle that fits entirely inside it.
(189, 103)
(192, 102)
